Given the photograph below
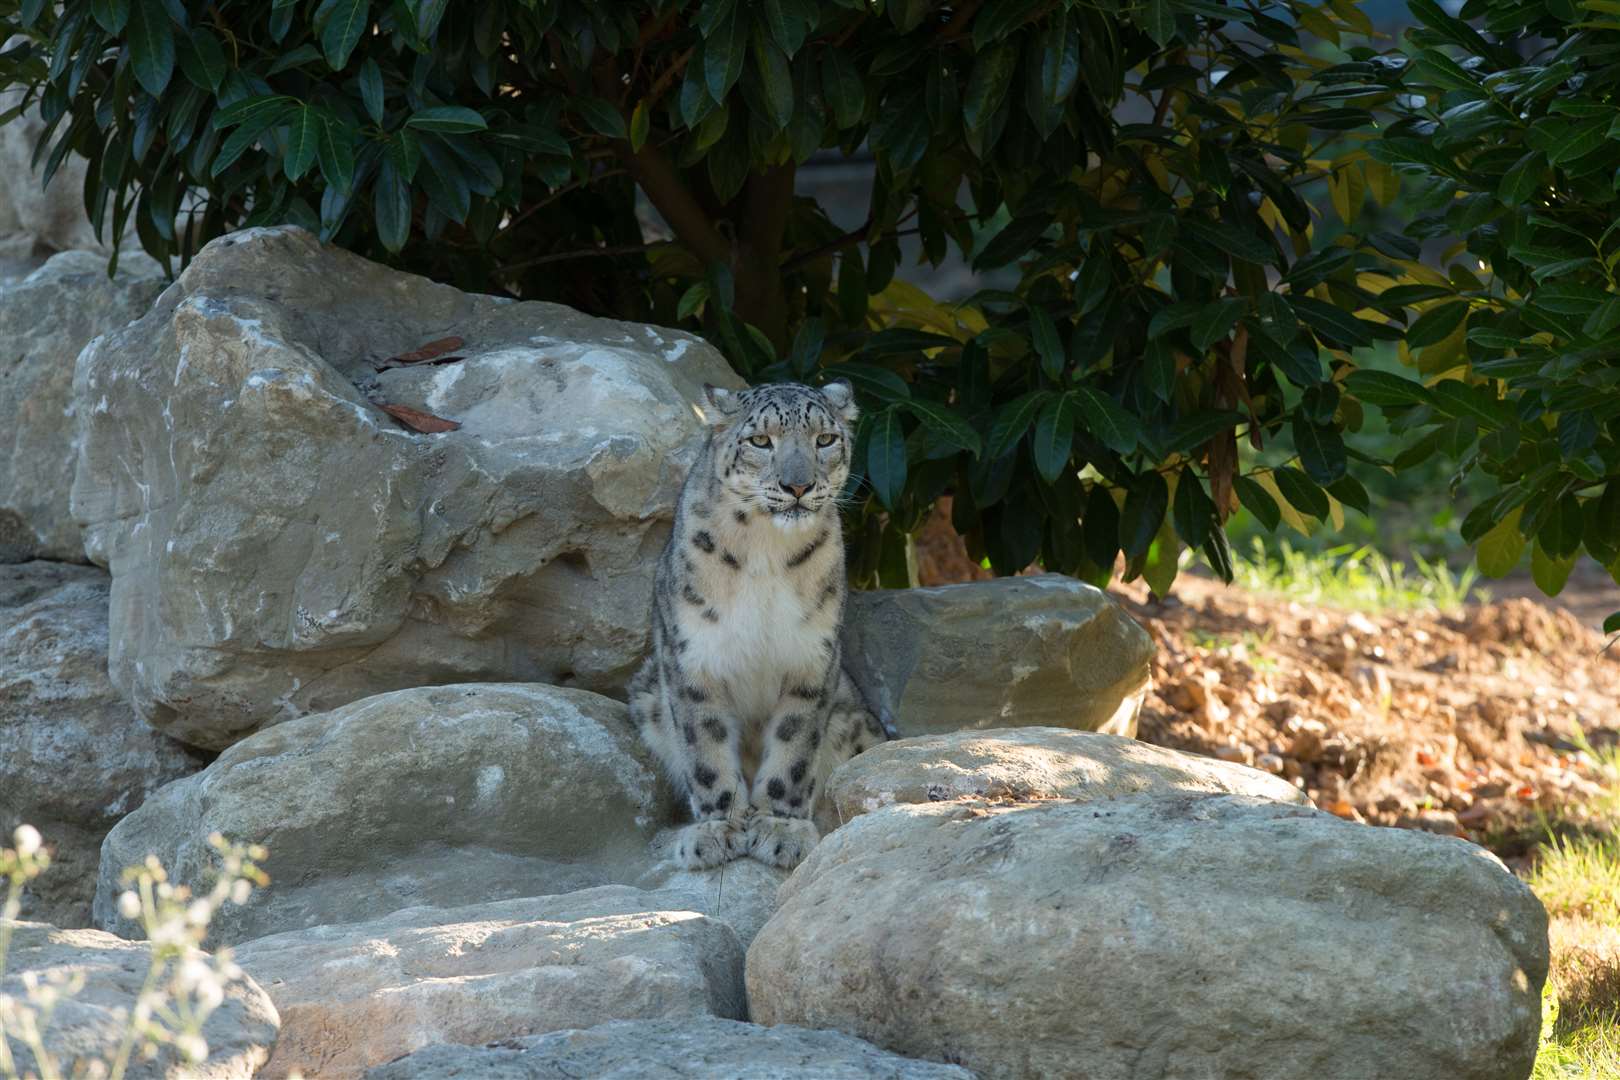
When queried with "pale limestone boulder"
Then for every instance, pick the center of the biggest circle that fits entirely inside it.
(693, 1049)
(1013, 652)
(89, 1026)
(439, 796)
(1028, 764)
(1176, 935)
(51, 216)
(359, 995)
(281, 546)
(74, 757)
(740, 893)
(46, 319)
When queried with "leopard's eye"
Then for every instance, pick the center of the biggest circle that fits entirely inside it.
(761, 441)
(826, 440)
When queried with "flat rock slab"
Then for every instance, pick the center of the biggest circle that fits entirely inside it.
(359, 995)
(1044, 650)
(1159, 936)
(740, 893)
(438, 796)
(700, 1049)
(89, 1026)
(46, 319)
(283, 546)
(74, 757)
(1026, 764)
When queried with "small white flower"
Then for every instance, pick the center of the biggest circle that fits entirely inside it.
(198, 913)
(240, 891)
(129, 905)
(28, 840)
(191, 1047)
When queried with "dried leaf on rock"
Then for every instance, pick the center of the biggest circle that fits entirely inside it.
(417, 420)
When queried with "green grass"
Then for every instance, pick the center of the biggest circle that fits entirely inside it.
(1577, 877)
(1357, 578)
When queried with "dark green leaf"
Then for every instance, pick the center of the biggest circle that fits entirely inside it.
(1258, 501)
(1054, 437)
(1194, 512)
(886, 458)
(346, 21)
(371, 89)
(1105, 419)
(945, 424)
(335, 151)
(1301, 492)
(1348, 490)
(1436, 324)
(1012, 420)
(842, 86)
(1385, 388)
(111, 14)
(302, 138)
(1321, 451)
(1048, 346)
(988, 85)
(391, 196)
(1145, 506)
(1213, 323)
(455, 119)
(151, 45)
(1561, 528)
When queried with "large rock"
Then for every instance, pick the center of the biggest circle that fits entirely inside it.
(436, 796)
(1159, 936)
(355, 996)
(1026, 764)
(700, 1049)
(281, 546)
(740, 893)
(45, 320)
(49, 216)
(74, 757)
(89, 1025)
(1011, 652)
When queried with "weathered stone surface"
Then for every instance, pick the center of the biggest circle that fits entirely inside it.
(700, 1049)
(1159, 935)
(741, 893)
(436, 796)
(282, 546)
(355, 996)
(74, 757)
(45, 320)
(51, 217)
(1011, 652)
(88, 1026)
(1025, 764)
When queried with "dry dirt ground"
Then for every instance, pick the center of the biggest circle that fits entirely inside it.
(1463, 723)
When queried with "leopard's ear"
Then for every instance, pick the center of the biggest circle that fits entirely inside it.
(841, 396)
(719, 405)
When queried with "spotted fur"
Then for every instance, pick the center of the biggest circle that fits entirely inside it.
(744, 698)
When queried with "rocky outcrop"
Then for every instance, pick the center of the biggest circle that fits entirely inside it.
(74, 757)
(438, 796)
(282, 546)
(741, 893)
(701, 1049)
(1013, 652)
(89, 1024)
(51, 216)
(1159, 935)
(45, 320)
(1029, 764)
(355, 996)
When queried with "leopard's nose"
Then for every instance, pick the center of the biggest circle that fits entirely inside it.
(796, 490)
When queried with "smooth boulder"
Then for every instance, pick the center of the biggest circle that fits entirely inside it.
(49, 216)
(694, 1049)
(1027, 764)
(438, 796)
(740, 893)
(74, 757)
(1042, 650)
(46, 319)
(355, 996)
(89, 1025)
(1174, 935)
(282, 546)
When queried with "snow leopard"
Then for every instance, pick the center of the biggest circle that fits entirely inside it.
(744, 698)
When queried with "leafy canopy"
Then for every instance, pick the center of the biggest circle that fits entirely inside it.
(1135, 174)
(1509, 117)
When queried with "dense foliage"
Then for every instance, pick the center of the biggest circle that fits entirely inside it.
(1514, 128)
(1137, 169)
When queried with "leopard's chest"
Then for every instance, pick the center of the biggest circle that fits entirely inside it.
(764, 631)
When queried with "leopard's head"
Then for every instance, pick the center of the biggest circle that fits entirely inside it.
(783, 449)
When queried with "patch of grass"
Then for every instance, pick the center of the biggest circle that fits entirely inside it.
(1357, 578)
(1577, 877)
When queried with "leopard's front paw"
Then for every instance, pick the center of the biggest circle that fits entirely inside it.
(709, 843)
(781, 841)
